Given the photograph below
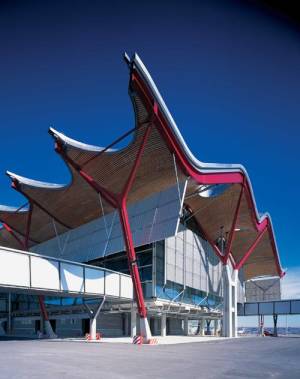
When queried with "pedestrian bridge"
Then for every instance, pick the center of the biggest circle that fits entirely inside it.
(41, 275)
(277, 307)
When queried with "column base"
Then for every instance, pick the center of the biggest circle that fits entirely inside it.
(145, 329)
(48, 330)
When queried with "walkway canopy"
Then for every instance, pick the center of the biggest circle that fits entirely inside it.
(218, 199)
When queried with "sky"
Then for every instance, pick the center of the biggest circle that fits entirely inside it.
(229, 72)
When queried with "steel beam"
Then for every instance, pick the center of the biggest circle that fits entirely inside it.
(233, 226)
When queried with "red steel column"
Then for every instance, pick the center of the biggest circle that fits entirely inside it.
(119, 201)
(43, 307)
(12, 232)
(131, 256)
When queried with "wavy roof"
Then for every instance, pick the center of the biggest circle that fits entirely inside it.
(219, 197)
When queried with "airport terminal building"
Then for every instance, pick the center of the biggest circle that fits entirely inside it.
(144, 240)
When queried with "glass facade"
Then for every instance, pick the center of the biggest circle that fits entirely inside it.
(181, 268)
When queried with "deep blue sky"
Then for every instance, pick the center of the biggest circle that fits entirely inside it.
(229, 73)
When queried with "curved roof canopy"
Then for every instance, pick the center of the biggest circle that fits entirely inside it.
(219, 197)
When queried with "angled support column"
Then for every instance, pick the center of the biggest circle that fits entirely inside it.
(144, 325)
(93, 320)
(119, 202)
(47, 325)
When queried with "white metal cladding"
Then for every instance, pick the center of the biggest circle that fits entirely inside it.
(190, 261)
(152, 219)
(241, 287)
(23, 270)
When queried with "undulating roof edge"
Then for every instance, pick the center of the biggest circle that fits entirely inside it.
(76, 144)
(196, 163)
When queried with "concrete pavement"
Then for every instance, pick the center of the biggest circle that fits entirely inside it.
(235, 358)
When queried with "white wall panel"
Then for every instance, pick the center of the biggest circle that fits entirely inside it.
(44, 273)
(94, 280)
(112, 283)
(14, 269)
(71, 277)
(126, 287)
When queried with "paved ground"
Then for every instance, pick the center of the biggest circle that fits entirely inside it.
(236, 358)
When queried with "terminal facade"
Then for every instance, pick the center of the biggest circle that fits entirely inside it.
(186, 233)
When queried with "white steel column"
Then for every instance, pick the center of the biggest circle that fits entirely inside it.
(93, 320)
(234, 302)
(93, 327)
(133, 322)
(216, 326)
(186, 326)
(202, 327)
(163, 325)
(230, 302)
(145, 328)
